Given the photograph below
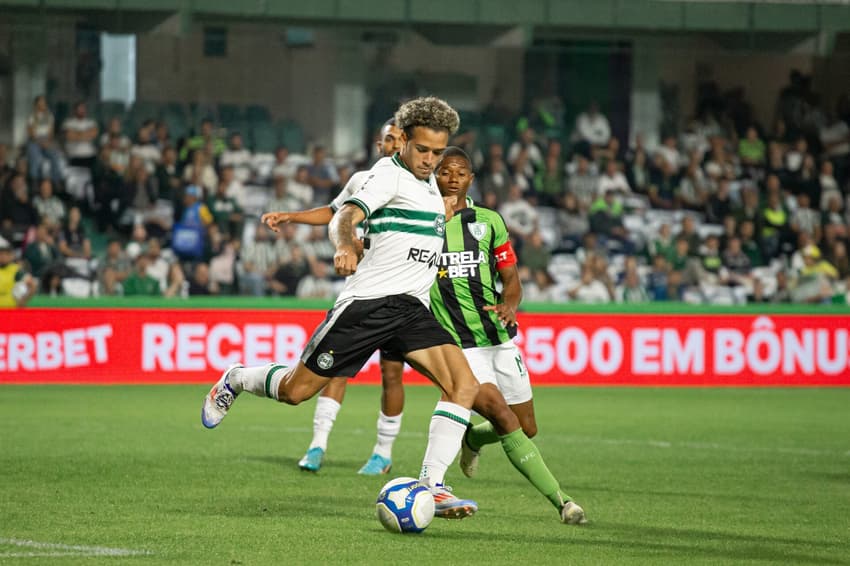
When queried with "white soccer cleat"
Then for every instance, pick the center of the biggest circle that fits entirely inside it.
(219, 400)
(572, 514)
(468, 459)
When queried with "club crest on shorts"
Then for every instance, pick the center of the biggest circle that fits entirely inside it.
(440, 224)
(477, 229)
(325, 361)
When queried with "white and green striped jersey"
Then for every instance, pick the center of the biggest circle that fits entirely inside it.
(406, 222)
(355, 182)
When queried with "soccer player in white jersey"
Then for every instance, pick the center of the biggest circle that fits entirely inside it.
(392, 364)
(384, 303)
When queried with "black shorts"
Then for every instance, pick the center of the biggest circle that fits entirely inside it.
(397, 324)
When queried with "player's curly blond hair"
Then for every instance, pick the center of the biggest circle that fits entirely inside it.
(428, 111)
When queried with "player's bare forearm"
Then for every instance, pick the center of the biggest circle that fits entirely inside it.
(315, 217)
(341, 232)
(511, 296)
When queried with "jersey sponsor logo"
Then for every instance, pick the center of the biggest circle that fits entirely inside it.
(440, 225)
(423, 256)
(460, 264)
(325, 361)
(477, 229)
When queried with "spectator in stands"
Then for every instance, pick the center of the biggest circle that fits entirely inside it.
(281, 199)
(526, 146)
(795, 155)
(119, 155)
(494, 176)
(168, 181)
(139, 196)
(233, 188)
(775, 224)
(542, 288)
(19, 215)
(749, 244)
(523, 175)
(80, 136)
(589, 289)
(162, 136)
(114, 135)
(257, 264)
(783, 290)
(138, 241)
(48, 206)
(163, 266)
(42, 253)
(318, 247)
(719, 204)
(6, 170)
(663, 243)
(114, 268)
(590, 247)
(711, 261)
(668, 152)
(631, 290)
(692, 193)
(572, 223)
(688, 232)
(599, 267)
(583, 182)
(200, 172)
(752, 149)
(316, 284)
(837, 256)
(323, 177)
(145, 146)
(534, 255)
(205, 140)
(520, 217)
(749, 208)
(613, 180)
(550, 183)
(298, 187)
(139, 283)
(592, 129)
(805, 219)
(226, 212)
(833, 222)
(816, 279)
(200, 283)
(637, 171)
(284, 164)
(108, 185)
(730, 230)
(290, 271)
(664, 186)
(238, 157)
(683, 264)
(606, 221)
(658, 279)
(41, 146)
(16, 286)
(73, 241)
(828, 185)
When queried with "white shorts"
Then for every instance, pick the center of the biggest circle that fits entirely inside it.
(502, 366)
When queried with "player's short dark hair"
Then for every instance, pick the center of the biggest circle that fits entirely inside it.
(390, 122)
(429, 112)
(455, 151)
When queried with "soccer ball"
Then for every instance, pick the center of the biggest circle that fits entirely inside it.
(405, 505)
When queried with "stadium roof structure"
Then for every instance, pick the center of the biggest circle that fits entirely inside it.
(778, 23)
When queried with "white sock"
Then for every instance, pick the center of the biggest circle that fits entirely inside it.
(262, 381)
(388, 428)
(323, 421)
(448, 424)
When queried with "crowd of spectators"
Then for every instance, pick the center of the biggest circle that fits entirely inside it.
(726, 211)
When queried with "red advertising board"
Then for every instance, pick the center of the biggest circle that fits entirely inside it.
(194, 345)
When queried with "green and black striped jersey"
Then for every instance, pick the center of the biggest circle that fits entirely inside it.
(476, 246)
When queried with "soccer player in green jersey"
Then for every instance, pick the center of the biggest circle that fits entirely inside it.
(482, 321)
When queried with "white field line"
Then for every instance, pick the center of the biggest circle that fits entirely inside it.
(568, 439)
(52, 549)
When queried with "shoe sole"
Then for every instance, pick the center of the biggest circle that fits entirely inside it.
(458, 512)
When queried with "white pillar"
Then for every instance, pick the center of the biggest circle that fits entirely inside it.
(646, 99)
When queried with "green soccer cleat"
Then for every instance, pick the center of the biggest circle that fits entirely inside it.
(312, 460)
(376, 465)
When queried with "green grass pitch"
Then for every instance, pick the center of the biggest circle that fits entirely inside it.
(127, 475)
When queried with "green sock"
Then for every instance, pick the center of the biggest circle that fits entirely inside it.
(481, 435)
(526, 458)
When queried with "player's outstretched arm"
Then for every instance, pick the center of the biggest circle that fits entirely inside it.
(342, 233)
(315, 217)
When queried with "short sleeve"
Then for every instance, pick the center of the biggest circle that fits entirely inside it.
(351, 187)
(379, 188)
